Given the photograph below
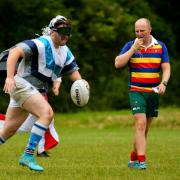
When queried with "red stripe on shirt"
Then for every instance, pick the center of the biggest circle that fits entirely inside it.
(151, 50)
(145, 80)
(145, 65)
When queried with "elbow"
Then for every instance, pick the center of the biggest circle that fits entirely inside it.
(75, 76)
(116, 65)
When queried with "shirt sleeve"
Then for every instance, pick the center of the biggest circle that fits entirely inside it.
(26, 49)
(70, 65)
(165, 56)
(70, 68)
(126, 47)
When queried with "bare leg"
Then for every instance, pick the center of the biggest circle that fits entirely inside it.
(140, 139)
(15, 116)
(38, 106)
(149, 120)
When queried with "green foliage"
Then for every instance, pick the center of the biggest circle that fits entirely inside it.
(173, 93)
(100, 29)
(22, 20)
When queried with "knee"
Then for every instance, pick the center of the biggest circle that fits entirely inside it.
(141, 126)
(141, 122)
(48, 115)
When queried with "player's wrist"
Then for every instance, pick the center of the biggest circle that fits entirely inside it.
(133, 48)
(59, 79)
(165, 83)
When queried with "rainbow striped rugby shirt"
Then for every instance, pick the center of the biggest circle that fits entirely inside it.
(145, 65)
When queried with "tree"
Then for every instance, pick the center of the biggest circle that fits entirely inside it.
(99, 30)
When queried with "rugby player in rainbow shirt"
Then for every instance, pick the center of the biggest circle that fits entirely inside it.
(146, 57)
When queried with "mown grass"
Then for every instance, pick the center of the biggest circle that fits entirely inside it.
(168, 118)
(96, 146)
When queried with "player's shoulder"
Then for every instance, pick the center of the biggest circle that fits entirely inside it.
(160, 42)
(26, 48)
(65, 48)
(130, 43)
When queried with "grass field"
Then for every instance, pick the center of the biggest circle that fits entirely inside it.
(96, 146)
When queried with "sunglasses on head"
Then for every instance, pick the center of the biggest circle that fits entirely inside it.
(63, 31)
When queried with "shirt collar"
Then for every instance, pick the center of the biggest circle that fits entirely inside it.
(153, 42)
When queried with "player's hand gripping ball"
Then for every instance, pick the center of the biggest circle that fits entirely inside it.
(80, 92)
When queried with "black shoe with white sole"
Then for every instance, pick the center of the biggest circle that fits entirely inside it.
(43, 154)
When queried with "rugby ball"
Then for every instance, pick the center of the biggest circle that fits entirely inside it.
(80, 92)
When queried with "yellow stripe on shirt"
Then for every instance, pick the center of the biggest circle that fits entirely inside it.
(142, 88)
(144, 75)
(145, 60)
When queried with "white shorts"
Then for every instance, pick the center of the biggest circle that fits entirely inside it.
(21, 92)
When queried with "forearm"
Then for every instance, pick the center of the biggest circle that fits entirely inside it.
(56, 86)
(75, 76)
(122, 60)
(166, 72)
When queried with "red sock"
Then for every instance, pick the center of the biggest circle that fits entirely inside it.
(141, 158)
(133, 156)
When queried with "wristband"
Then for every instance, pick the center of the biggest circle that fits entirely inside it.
(164, 83)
